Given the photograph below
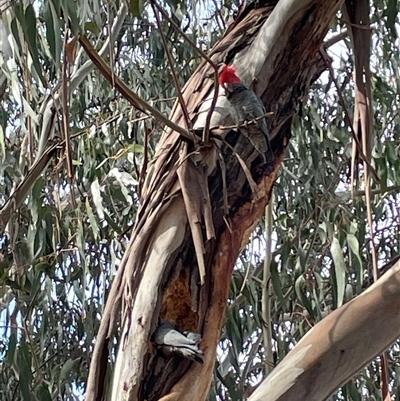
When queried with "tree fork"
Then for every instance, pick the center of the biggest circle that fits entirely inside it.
(275, 47)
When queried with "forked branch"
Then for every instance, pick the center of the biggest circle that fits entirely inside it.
(122, 88)
(206, 132)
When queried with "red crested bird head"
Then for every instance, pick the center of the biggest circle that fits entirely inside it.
(228, 76)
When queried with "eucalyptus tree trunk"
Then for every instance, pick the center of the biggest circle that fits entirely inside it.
(201, 202)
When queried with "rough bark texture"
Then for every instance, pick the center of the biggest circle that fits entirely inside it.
(199, 202)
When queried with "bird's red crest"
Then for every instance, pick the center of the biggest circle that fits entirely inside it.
(228, 75)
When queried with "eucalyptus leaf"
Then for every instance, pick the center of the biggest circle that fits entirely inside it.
(340, 269)
(63, 243)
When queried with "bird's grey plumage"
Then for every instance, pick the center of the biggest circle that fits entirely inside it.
(246, 106)
(172, 341)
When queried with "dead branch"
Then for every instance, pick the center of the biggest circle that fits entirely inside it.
(208, 59)
(132, 97)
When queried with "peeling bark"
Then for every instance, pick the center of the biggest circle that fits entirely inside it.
(338, 346)
(275, 48)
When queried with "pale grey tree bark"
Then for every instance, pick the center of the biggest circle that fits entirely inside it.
(339, 346)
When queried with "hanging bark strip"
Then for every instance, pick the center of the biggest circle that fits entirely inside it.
(275, 48)
(360, 32)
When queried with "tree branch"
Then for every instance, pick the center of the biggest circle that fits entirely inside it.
(266, 292)
(339, 346)
(79, 74)
(174, 76)
(206, 132)
(132, 97)
(18, 196)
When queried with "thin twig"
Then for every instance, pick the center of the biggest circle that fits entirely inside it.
(81, 72)
(219, 14)
(145, 159)
(132, 97)
(245, 124)
(206, 132)
(35, 362)
(290, 174)
(314, 237)
(28, 89)
(173, 72)
(359, 26)
(249, 264)
(266, 293)
(65, 117)
(185, 65)
(335, 39)
(224, 184)
(246, 170)
(167, 99)
(110, 48)
(107, 121)
(347, 116)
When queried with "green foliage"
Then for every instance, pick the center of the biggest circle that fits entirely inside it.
(321, 255)
(60, 251)
(62, 247)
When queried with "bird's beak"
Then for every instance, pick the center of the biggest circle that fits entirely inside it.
(228, 87)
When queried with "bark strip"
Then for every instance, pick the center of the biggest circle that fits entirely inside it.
(277, 54)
